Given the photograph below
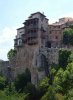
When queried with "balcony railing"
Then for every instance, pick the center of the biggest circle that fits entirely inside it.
(32, 26)
(32, 35)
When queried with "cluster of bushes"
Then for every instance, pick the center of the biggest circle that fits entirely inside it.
(64, 56)
(20, 89)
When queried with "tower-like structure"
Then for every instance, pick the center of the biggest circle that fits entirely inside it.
(28, 43)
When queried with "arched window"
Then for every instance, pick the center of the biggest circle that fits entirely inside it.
(19, 42)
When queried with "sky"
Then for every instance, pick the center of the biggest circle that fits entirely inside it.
(14, 12)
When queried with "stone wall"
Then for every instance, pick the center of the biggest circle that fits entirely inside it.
(30, 57)
(3, 67)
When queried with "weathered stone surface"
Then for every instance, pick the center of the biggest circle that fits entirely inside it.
(28, 57)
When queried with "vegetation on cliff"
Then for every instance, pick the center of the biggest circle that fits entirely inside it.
(68, 36)
(60, 89)
(11, 54)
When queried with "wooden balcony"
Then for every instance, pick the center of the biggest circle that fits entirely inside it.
(32, 35)
(32, 26)
(32, 41)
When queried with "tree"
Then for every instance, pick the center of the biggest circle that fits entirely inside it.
(27, 75)
(22, 80)
(43, 86)
(51, 95)
(63, 57)
(69, 95)
(63, 80)
(68, 36)
(71, 26)
(11, 54)
(32, 92)
(1, 66)
(2, 82)
(70, 59)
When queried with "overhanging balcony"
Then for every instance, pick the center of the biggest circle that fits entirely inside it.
(32, 41)
(32, 35)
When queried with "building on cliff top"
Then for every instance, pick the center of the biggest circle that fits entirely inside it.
(37, 44)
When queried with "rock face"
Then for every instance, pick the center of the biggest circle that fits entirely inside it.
(37, 60)
(24, 59)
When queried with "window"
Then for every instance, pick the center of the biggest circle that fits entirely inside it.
(21, 32)
(58, 26)
(50, 32)
(19, 42)
(56, 37)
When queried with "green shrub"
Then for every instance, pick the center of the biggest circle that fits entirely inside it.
(22, 80)
(2, 82)
(68, 37)
(49, 95)
(63, 57)
(32, 92)
(16, 96)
